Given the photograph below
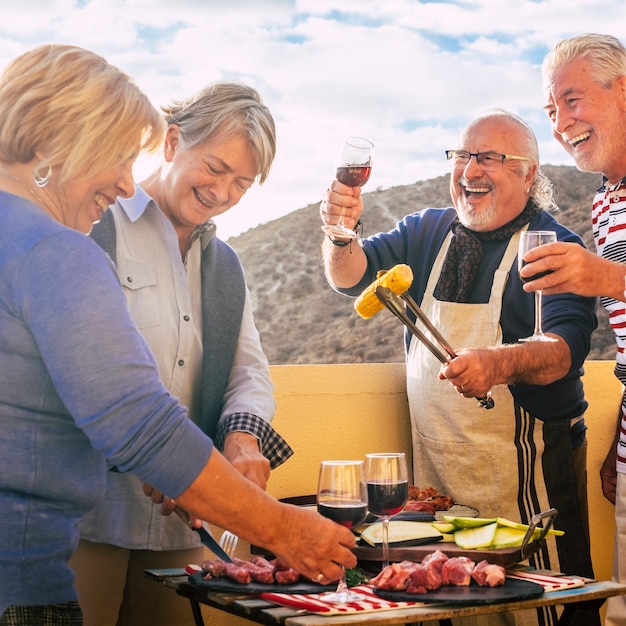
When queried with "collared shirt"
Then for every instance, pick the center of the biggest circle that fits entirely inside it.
(165, 301)
(163, 291)
(608, 220)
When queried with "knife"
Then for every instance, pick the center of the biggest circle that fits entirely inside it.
(205, 536)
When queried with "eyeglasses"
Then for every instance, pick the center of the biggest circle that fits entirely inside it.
(487, 160)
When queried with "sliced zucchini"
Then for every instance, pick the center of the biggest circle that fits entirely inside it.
(477, 537)
(401, 532)
(502, 521)
(444, 527)
(468, 522)
(507, 537)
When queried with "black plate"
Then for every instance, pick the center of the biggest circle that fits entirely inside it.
(227, 584)
(409, 516)
(474, 594)
(414, 516)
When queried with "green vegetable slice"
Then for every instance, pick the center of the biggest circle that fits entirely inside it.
(502, 521)
(468, 522)
(478, 537)
(400, 531)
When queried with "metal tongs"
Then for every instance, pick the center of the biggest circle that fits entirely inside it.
(393, 303)
(533, 527)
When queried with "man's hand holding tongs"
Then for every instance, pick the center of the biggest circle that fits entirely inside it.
(471, 372)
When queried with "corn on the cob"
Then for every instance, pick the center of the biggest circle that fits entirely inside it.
(398, 279)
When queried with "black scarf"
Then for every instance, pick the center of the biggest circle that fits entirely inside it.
(466, 251)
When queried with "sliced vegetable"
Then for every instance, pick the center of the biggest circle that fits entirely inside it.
(507, 537)
(444, 527)
(478, 537)
(401, 532)
(469, 533)
(488, 532)
(468, 522)
(502, 521)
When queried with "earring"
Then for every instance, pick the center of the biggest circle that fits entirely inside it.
(527, 190)
(42, 181)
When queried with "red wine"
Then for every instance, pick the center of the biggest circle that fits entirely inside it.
(348, 515)
(527, 279)
(355, 176)
(386, 499)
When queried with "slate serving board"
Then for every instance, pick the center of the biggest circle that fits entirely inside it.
(229, 585)
(473, 594)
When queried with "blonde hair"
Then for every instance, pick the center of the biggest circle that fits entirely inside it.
(227, 108)
(68, 107)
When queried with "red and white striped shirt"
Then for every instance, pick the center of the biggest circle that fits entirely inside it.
(609, 231)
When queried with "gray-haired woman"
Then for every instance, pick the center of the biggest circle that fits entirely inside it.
(187, 293)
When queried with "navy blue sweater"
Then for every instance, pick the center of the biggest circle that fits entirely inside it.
(416, 241)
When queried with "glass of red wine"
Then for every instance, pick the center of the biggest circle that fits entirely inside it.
(354, 166)
(387, 479)
(342, 497)
(532, 239)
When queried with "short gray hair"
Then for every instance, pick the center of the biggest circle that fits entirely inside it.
(605, 53)
(227, 108)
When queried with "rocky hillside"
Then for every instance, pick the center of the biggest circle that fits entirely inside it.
(302, 320)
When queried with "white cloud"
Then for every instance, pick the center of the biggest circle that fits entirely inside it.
(409, 74)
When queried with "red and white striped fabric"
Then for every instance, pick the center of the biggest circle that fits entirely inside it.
(315, 603)
(548, 582)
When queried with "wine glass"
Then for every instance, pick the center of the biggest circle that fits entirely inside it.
(387, 489)
(531, 239)
(353, 169)
(342, 497)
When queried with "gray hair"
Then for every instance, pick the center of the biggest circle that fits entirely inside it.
(605, 53)
(227, 108)
(541, 191)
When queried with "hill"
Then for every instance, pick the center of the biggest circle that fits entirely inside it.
(302, 320)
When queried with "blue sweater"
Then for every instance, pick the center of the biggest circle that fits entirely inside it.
(416, 241)
(78, 390)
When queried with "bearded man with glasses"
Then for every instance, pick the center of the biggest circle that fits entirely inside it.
(528, 453)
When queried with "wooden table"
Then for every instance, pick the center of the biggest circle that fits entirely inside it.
(260, 611)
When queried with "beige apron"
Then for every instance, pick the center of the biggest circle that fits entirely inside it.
(488, 459)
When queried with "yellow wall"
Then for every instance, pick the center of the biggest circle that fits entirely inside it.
(336, 412)
(603, 393)
(345, 411)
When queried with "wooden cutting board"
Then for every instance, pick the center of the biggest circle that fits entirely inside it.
(502, 556)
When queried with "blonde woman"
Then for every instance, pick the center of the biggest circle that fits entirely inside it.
(79, 388)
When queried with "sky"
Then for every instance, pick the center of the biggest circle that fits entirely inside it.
(407, 74)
